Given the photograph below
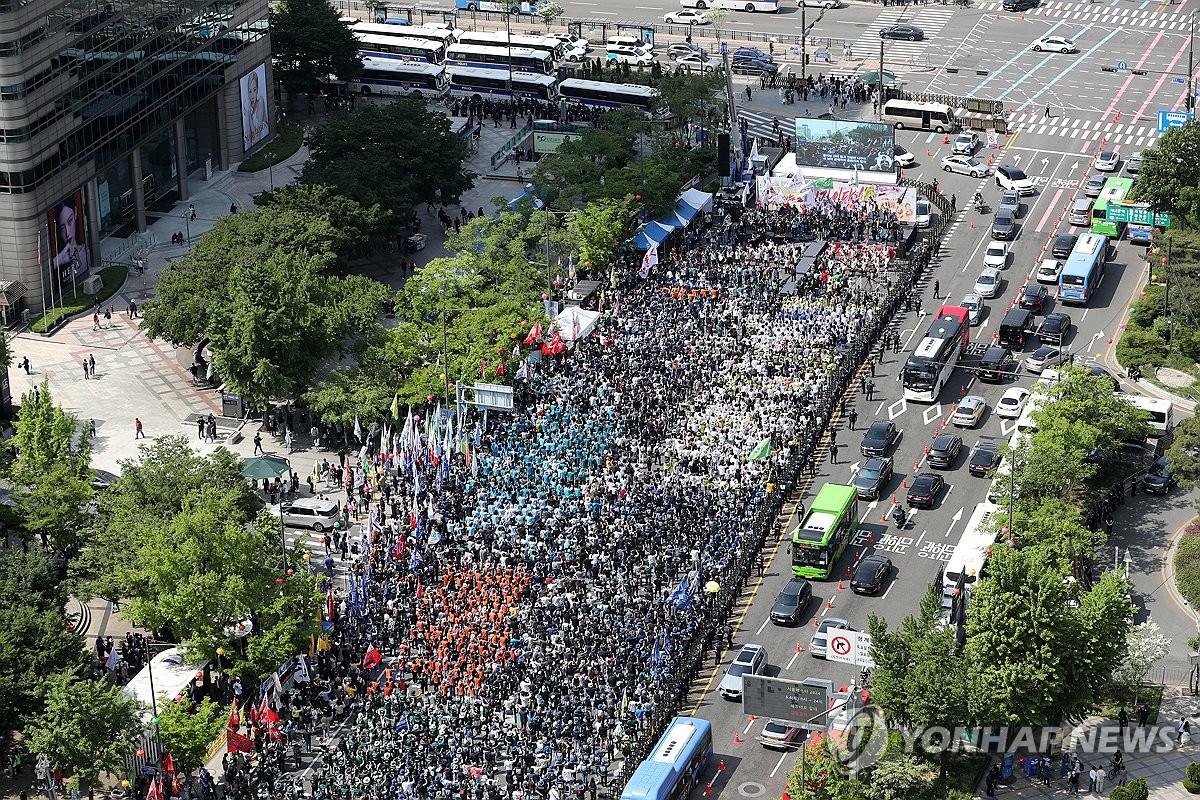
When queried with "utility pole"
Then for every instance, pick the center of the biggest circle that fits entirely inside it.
(803, 49)
(1191, 98)
(1167, 288)
(879, 79)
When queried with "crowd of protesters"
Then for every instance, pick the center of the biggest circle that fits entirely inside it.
(533, 592)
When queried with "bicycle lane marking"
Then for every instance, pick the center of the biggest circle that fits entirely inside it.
(1003, 68)
(1068, 69)
(1117, 97)
(1166, 73)
(1049, 210)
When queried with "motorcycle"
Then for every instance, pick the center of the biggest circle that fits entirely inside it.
(900, 516)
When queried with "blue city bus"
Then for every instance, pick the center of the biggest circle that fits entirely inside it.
(502, 6)
(675, 765)
(1084, 270)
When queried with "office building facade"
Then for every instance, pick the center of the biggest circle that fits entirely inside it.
(108, 109)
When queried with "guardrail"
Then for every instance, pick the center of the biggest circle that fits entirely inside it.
(506, 149)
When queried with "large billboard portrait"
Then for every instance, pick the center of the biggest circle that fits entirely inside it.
(256, 124)
(68, 239)
(838, 144)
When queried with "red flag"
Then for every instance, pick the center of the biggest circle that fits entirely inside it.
(155, 790)
(554, 346)
(535, 334)
(238, 743)
(168, 763)
(235, 717)
(264, 708)
(500, 368)
(420, 589)
(372, 658)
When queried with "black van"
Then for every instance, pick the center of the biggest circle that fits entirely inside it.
(997, 365)
(1018, 326)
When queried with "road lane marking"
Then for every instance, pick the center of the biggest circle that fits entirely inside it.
(1003, 69)
(1070, 67)
(1049, 210)
(779, 763)
(1116, 98)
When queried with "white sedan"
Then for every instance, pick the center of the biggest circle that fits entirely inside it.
(688, 17)
(1012, 403)
(1107, 161)
(996, 255)
(989, 282)
(700, 62)
(1048, 270)
(1054, 44)
(965, 165)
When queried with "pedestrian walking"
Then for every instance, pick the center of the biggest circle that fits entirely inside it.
(95, 320)
(200, 427)
(954, 202)
(86, 373)
(258, 448)
(937, 290)
(871, 389)
(92, 363)
(1184, 731)
(92, 428)
(1047, 111)
(1093, 774)
(138, 433)
(25, 365)
(107, 318)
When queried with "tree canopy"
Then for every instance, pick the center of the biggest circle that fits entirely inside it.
(393, 155)
(1169, 178)
(309, 43)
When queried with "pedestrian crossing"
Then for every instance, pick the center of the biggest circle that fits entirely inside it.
(1119, 13)
(1115, 134)
(762, 125)
(931, 20)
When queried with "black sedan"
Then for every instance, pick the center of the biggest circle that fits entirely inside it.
(870, 574)
(1054, 328)
(879, 438)
(873, 478)
(985, 459)
(1158, 479)
(909, 33)
(1063, 244)
(944, 450)
(925, 490)
(753, 66)
(1033, 297)
(791, 602)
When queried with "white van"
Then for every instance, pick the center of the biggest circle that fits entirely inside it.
(1081, 212)
(311, 512)
(630, 55)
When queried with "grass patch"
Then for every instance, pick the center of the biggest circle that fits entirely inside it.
(281, 148)
(967, 768)
(78, 302)
(1187, 563)
(1151, 696)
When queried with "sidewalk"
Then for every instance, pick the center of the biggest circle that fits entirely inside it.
(1162, 771)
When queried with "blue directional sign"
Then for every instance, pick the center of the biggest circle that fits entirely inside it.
(1178, 80)
(1122, 66)
(1172, 119)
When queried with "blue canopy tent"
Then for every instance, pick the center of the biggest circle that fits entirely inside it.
(652, 233)
(701, 201)
(527, 191)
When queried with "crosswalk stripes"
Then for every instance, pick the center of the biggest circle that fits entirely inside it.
(1144, 15)
(930, 20)
(762, 125)
(1132, 134)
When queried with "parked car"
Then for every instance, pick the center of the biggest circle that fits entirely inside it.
(944, 450)
(964, 144)
(973, 303)
(903, 157)
(1046, 356)
(1054, 328)
(1048, 270)
(989, 282)
(1133, 164)
(819, 644)
(1033, 297)
(1158, 479)
(969, 411)
(873, 478)
(870, 574)
(879, 438)
(965, 165)
(1009, 176)
(753, 66)
(743, 53)
(751, 660)
(984, 459)
(791, 602)
(677, 49)
(1012, 403)
(781, 734)
(1019, 5)
(925, 490)
(697, 62)
(924, 214)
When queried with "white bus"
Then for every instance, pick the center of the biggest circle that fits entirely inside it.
(520, 59)
(388, 76)
(375, 46)
(1162, 413)
(431, 34)
(602, 94)
(924, 116)
(972, 550)
(545, 44)
(735, 5)
(468, 82)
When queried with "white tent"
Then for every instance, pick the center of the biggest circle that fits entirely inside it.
(576, 323)
(697, 199)
(172, 673)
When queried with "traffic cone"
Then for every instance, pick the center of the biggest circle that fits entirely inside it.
(893, 499)
(916, 466)
(883, 518)
(816, 623)
(946, 139)
(737, 739)
(829, 604)
(752, 718)
(871, 539)
(840, 587)
(848, 569)
(904, 483)
(799, 649)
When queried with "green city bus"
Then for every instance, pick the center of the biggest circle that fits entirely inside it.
(1115, 190)
(822, 536)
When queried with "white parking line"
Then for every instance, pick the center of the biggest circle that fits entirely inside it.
(749, 725)
(761, 627)
(779, 764)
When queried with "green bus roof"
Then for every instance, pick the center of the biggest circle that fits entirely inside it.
(830, 503)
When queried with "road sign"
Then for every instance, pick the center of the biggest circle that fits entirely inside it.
(804, 702)
(1138, 215)
(1172, 119)
(1178, 80)
(850, 647)
(1122, 66)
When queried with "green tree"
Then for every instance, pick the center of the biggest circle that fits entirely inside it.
(549, 11)
(187, 730)
(195, 288)
(602, 228)
(34, 640)
(900, 776)
(1183, 459)
(361, 228)
(1169, 179)
(51, 471)
(309, 43)
(818, 774)
(87, 727)
(394, 155)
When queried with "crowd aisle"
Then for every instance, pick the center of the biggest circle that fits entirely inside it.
(534, 592)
